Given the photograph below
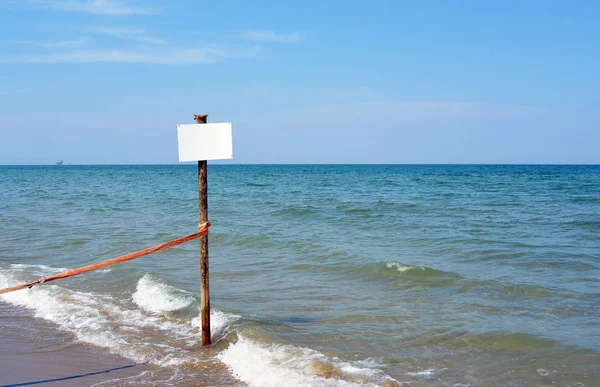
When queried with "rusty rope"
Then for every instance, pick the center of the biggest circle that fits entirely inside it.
(202, 230)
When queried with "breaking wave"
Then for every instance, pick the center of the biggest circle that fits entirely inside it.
(144, 334)
(154, 295)
(143, 329)
(271, 364)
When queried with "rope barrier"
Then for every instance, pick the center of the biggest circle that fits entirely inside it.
(202, 230)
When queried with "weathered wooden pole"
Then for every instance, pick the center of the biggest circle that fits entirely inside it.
(203, 217)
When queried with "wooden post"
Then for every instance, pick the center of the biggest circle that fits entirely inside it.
(203, 217)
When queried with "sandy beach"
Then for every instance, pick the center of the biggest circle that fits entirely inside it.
(28, 357)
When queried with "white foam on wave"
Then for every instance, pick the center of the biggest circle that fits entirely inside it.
(153, 295)
(140, 331)
(39, 269)
(544, 372)
(110, 323)
(267, 365)
(428, 372)
(47, 270)
(402, 268)
(219, 323)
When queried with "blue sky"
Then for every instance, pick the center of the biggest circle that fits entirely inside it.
(107, 81)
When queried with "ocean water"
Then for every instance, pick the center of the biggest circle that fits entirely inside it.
(321, 275)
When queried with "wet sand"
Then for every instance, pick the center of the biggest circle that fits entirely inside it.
(28, 358)
(54, 358)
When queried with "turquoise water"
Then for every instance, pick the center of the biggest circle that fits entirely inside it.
(320, 274)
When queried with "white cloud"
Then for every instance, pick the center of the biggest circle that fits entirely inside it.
(203, 55)
(270, 36)
(137, 34)
(75, 43)
(97, 7)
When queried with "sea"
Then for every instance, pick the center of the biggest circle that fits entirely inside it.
(320, 275)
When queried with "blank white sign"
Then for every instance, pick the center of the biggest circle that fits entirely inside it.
(204, 141)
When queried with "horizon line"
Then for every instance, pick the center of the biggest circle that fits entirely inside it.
(221, 163)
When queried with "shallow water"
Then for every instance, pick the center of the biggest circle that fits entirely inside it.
(320, 275)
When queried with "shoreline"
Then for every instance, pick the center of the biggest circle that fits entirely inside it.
(28, 358)
(36, 352)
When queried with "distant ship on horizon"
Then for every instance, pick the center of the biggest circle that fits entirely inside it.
(60, 162)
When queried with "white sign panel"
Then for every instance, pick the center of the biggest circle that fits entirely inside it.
(204, 141)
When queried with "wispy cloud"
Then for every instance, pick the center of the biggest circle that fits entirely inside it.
(270, 36)
(197, 56)
(136, 34)
(97, 7)
(75, 43)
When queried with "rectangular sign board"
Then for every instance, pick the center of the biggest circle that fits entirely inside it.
(204, 141)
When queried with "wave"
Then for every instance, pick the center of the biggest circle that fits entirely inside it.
(492, 341)
(154, 295)
(156, 337)
(296, 211)
(237, 239)
(402, 268)
(591, 224)
(39, 269)
(409, 274)
(396, 206)
(144, 329)
(45, 270)
(354, 210)
(272, 364)
(398, 273)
